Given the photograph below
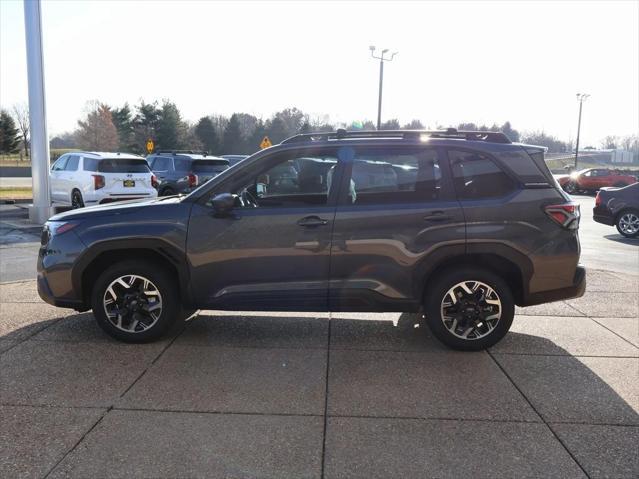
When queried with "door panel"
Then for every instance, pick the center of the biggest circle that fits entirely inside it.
(260, 258)
(402, 212)
(272, 251)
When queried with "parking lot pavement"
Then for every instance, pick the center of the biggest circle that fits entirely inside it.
(318, 395)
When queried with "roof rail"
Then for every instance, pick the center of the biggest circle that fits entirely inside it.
(178, 152)
(452, 133)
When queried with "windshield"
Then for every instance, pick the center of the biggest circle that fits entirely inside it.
(123, 165)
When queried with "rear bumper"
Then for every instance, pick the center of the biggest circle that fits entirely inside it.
(576, 290)
(601, 214)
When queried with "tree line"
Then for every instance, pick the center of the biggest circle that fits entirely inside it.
(127, 128)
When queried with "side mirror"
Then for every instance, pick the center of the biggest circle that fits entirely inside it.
(223, 203)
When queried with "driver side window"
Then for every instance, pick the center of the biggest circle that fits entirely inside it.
(290, 180)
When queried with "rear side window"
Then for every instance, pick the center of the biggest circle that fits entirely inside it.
(72, 164)
(209, 166)
(123, 165)
(478, 177)
(383, 177)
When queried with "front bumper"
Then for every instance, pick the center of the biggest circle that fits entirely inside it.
(576, 290)
(44, 291)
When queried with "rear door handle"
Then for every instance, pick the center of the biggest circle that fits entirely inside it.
(437, 216)
(312, 221)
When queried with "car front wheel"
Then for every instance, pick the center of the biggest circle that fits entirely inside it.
(469, 309)
(135, 301)
(628, 223)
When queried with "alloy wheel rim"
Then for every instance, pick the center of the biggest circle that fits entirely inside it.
(132, 303)
(471, 310)
(629, 223)
(75, 201)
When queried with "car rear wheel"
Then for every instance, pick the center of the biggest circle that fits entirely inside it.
(628, 223)
(135, 301)
(76, 200)
(167, 192)
(469, 309)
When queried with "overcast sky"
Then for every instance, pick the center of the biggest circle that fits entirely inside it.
(457, 61)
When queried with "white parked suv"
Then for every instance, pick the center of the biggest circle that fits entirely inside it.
(92, 178)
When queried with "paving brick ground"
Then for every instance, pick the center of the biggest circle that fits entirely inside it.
(317, 395)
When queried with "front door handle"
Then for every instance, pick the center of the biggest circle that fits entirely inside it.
(437, 216)
(312, 221)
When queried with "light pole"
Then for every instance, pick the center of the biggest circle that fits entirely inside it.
(41, 209)
(581, 97)
(381, 59)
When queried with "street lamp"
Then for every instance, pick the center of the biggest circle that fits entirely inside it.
(581, 97)
(381, 59)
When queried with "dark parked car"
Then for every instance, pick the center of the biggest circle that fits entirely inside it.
(619, 207)
(461, 226)
(183, 171)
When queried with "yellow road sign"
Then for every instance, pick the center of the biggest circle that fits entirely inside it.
(265, 143)
(149, 145)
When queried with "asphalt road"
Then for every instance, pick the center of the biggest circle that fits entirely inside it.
(603, 247)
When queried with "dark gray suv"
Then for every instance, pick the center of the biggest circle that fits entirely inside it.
(458, 226)
(183, 171)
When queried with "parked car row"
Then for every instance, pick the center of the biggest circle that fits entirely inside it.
(81, 179)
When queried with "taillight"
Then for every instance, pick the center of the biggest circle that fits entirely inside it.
(192, 180)
(598, 199)
(566, 214)
(154, 182)
(98, 181)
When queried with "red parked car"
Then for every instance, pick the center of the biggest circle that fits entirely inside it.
(592, 179)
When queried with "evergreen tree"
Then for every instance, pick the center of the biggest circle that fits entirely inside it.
(232, 142)
(145, 126)
(171, 130)
(9, 134)
(123, 122)
(207, 135)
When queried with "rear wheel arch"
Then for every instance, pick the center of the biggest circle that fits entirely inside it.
(515, 272)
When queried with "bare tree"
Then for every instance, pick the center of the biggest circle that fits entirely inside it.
(21, 115)
(97, 131)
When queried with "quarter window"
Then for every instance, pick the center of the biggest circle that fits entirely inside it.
(393, 176)
(477, 177)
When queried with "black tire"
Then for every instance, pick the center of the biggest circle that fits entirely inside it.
(625, 214)
(571, 187)
(437, 291)
(168, 191)
(76, 200)
(160, 279)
